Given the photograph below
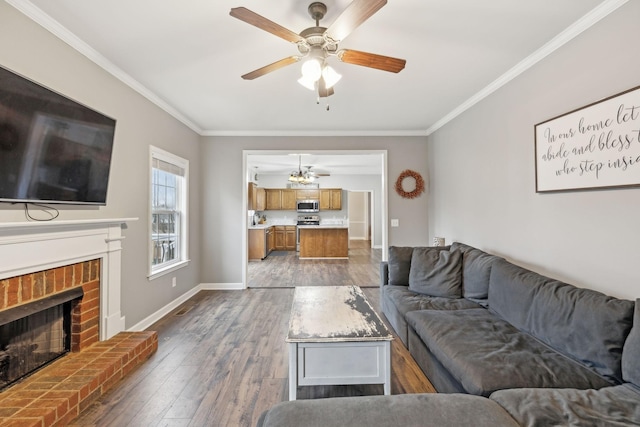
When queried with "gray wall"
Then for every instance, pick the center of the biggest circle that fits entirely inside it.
(222, 176)
(29, 50)
(483, 177)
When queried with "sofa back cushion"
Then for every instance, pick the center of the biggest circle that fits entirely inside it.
(581, 323)
(400, 263)
(476, 270)
(631, 351)
(436, 272)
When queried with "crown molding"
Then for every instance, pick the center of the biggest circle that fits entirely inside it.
(582, 24)
(54, 27)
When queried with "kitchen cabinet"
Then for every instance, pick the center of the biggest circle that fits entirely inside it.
(273, 199)
(279, 238)
(290, 238)
(256, 196)
(330, 199)
(260, 201)
(324, 242)
(307, 194)
(288, 200)
(257, 244)
(285, 237)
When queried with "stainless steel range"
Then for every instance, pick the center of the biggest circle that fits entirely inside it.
(308, 220)
(305, 220)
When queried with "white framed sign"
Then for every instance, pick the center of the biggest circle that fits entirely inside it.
(593, 147)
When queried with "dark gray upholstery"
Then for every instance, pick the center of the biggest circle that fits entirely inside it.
(436, 272)
(485, 353)
(399, 300)
(609, 406)
(399, 265)
(584, 324)
(407, 410)
(476, 270)
(631, 351)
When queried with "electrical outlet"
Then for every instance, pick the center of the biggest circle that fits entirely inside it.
(173, 282)
(395, 223)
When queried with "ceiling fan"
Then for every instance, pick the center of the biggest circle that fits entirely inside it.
(318, 43)
(305, 176)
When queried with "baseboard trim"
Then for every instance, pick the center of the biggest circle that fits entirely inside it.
(221, 286)
(154, 317)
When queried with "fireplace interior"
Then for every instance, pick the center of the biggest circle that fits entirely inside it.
(35, 334)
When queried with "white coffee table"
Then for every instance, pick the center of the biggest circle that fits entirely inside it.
(336, 338)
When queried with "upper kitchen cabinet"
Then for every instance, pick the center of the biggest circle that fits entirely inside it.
(280, 199)
(257, 198)
(330, 199)
(307, 194)
(274, 199)
(288, 200)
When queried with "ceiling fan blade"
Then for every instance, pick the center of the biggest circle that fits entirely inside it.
(271, 67)
(244, 14)
(354, 15)
(371, 60)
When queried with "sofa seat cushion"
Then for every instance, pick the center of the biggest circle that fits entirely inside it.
(485, 353)
(609, 406)
(406, 300)
(425, 410)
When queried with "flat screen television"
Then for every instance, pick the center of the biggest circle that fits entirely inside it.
(52, 149)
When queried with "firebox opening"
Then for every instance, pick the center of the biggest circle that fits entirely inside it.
(35, 334)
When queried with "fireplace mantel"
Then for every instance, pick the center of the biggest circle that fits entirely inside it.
(27, 247)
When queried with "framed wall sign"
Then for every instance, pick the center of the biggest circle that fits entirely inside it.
(596, 146)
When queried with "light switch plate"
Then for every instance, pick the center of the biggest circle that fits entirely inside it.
(395, 223)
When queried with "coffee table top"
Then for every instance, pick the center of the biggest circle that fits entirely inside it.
(334, 313)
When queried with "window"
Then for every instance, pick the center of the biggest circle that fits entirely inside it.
(168, 243)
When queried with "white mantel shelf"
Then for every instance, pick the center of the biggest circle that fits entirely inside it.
(62, 223)
(27, 247)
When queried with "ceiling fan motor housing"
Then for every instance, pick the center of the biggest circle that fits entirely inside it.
(317, 10)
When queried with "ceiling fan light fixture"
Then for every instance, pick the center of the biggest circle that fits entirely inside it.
(331, 76)
(307, 82)
(311, 69)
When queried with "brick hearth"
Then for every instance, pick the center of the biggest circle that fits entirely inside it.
(56, 394)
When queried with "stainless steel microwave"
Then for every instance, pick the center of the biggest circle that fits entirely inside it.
(307, 205)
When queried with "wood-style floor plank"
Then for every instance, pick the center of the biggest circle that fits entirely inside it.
(222, 359)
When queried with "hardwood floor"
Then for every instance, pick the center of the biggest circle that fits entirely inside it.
(283, 269)
(222, 361)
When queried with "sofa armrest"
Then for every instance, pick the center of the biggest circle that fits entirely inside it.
(384, 273)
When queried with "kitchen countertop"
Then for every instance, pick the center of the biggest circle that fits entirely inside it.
(324, 226)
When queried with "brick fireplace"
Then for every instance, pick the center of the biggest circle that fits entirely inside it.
(41, 261)
(85, 313)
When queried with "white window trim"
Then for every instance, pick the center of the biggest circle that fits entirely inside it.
(160, 154)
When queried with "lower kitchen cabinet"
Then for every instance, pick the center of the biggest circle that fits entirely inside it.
(324, 243)
(285, 237)
(257, 244)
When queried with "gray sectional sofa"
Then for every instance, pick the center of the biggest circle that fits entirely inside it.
(543, 352)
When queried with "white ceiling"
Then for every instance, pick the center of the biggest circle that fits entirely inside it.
(188, 57)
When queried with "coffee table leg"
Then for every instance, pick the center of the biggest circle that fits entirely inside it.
(387, 368)
(293, 370)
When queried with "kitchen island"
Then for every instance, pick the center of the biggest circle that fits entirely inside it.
(324, 241)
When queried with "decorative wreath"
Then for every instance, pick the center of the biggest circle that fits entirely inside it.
(419, 184)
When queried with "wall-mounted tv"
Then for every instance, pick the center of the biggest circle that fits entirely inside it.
(52, 149)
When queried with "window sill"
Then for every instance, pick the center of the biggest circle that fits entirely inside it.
(168, 269)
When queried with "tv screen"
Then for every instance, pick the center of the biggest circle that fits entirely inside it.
(52, 149)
